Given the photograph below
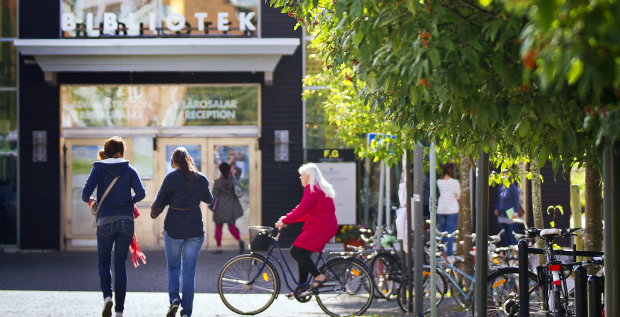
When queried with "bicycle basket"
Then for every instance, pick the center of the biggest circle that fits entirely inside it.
(259, 238)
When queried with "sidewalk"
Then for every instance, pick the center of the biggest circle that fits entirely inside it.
(67, 284)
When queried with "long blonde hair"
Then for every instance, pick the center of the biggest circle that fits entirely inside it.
(317, 179)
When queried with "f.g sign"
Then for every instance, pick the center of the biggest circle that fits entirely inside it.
(148, 18)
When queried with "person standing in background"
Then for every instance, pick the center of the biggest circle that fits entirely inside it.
(227, 209)
(448, 205)
(506, 209)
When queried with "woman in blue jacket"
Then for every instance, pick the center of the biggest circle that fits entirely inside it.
(182, 191)
(507, 200)
(115, 224)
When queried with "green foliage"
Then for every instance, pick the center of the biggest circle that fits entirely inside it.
(447, 71)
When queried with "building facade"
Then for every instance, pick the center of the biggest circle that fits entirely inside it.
(223, 79)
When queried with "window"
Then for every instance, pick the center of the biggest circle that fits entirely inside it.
(318, 132)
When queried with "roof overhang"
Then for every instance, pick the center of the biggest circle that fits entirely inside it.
(158, 55)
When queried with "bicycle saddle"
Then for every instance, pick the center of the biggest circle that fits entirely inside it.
(550, 233)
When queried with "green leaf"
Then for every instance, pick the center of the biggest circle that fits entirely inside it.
(357, 38)
(559, 207)
(576, 69)
(549, 208)
(552, 224)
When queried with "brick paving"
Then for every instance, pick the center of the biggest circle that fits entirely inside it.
(67, 284)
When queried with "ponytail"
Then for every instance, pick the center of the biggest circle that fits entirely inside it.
(186, 164)
(112, 146)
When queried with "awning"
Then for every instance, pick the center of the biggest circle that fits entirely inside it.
(158, 54)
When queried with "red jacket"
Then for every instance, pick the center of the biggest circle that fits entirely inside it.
(319, 213)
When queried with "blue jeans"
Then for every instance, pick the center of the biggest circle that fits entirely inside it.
(448, 223)
(182, 253)
(118, 234)
(507, 237)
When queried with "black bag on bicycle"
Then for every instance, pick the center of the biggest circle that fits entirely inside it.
(259, 238)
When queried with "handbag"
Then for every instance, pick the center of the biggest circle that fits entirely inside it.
(213, 205)
(94, 209)
(238, 189)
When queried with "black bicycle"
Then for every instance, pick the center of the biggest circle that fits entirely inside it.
(347, 291)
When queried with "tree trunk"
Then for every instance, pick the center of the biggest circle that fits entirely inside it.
(465, 213)
(537, 203)
(593, 231)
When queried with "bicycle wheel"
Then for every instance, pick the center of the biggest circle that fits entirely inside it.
(440, 283)
(233, 284)
(342, 294)
(462, 284)
(382, 267)
(503, 292)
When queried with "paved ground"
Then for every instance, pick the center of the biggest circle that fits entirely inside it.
(67, 284)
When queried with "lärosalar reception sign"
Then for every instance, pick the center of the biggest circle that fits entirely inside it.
(159, 105)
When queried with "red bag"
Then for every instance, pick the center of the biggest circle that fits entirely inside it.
(134, 247)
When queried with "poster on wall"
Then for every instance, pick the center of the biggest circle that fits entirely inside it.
(159, 105)
(186, 105)
(165, 18)
(342, 178)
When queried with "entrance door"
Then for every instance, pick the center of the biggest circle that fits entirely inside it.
(243, 156)
(207, 154)
(79, 155)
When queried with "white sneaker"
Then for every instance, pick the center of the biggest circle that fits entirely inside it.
(107, 307)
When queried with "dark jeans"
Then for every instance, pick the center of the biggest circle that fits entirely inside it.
(507, 237)
(304, 263)
(118, 234)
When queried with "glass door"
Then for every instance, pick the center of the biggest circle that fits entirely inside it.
(242, 155)
(197, 148)
(79, 155)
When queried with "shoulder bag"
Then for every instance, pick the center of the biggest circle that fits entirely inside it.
(94, 209)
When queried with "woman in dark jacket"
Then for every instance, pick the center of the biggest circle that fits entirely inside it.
(228, 208)
(182, 191)
(115, 224)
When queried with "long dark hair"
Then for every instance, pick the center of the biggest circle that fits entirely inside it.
(448, 169)
(112, 146)
(186, 164)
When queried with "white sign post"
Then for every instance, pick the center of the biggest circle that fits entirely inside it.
(342, 178)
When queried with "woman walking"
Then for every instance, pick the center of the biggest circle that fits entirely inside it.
(115, 223)
(182, 191)
(318, 212)
(448, 205)
(228, 208)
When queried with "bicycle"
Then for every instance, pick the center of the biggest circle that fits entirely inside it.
(347, 291)
(556, 300)
(503, 286)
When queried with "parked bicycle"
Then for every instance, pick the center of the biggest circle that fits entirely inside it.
(347, 291)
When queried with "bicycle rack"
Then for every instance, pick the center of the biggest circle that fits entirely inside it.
(524, 295)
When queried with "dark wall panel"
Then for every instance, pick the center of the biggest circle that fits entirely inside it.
(282, 110)
(39, 19)
(40, 182)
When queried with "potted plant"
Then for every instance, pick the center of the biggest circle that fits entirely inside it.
(350, 235)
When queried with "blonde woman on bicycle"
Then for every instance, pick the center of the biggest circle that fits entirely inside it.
(318, 212)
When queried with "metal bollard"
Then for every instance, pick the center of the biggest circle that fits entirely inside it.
(594, 297)
(581, 293)
(524, 295)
